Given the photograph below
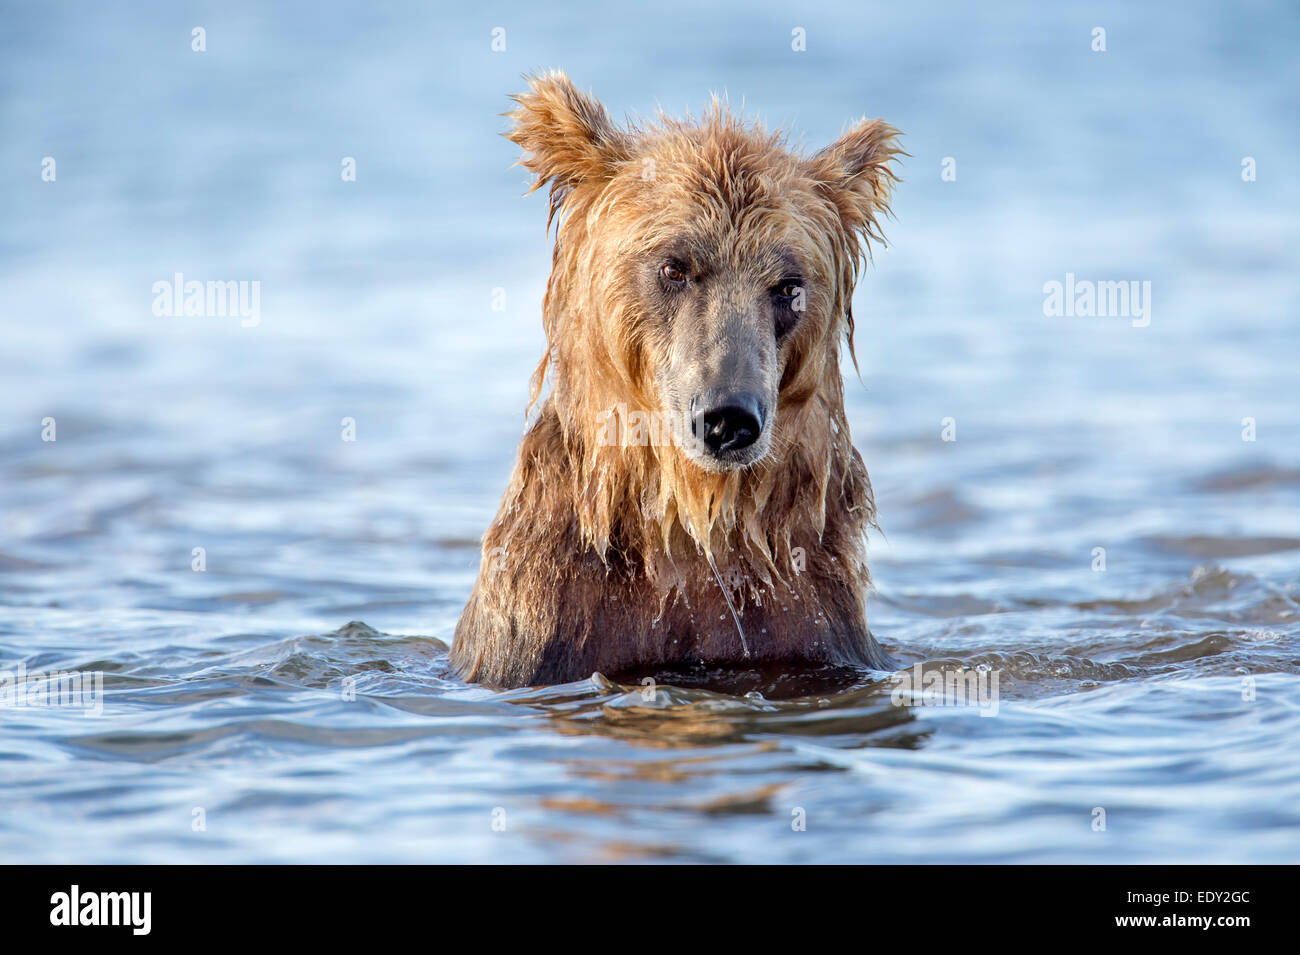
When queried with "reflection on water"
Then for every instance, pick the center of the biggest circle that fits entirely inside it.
(1099, 535)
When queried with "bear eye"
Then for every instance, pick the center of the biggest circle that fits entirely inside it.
(788, 297)
(673, 273)
(789, 290)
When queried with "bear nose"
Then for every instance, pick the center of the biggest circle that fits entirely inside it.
(730, 425)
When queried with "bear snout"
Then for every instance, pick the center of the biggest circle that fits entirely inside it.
(728, 424)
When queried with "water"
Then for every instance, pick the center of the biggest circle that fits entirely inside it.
(1125, 689)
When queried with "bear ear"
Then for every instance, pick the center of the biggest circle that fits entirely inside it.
(854, 172)
(567, 136)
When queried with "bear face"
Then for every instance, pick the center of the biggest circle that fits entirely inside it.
(724, 281)
(702, 269)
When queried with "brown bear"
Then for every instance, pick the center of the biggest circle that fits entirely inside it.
(688, 493)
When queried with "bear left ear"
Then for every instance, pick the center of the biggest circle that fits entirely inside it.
(855, 173)
(567, 136)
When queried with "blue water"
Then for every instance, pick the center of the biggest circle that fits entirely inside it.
(1164, 690)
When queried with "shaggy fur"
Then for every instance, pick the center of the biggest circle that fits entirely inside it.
(620, 557)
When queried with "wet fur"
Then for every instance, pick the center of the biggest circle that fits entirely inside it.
(599, 558)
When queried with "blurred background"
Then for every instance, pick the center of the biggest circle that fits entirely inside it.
(1171, 446)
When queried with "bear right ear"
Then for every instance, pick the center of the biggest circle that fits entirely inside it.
(568, 137)
(856, 173)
